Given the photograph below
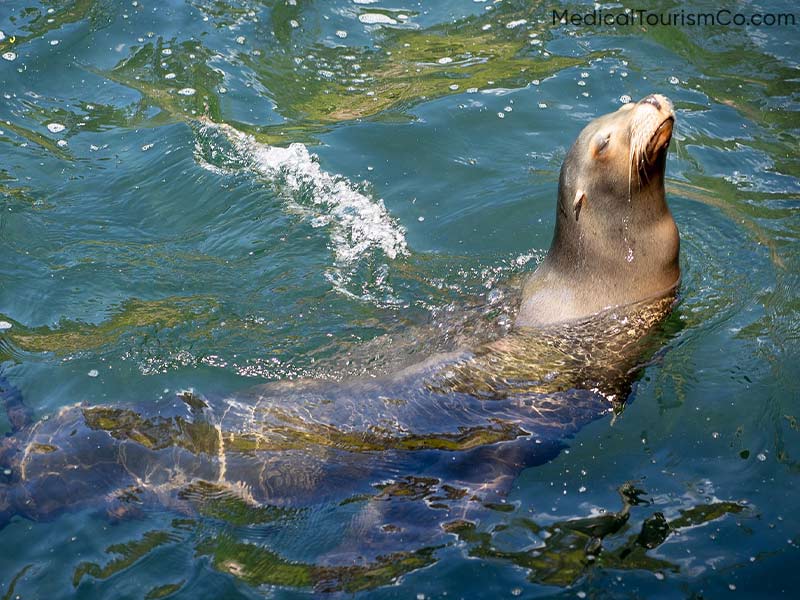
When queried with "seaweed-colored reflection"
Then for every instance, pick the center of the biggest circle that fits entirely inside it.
(199, 436)
(568, 549)
(129, 553)
(257, 566)
(71, 337)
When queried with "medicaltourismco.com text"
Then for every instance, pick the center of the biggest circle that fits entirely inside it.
(643, 16)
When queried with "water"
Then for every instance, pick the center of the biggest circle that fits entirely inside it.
(148, 250)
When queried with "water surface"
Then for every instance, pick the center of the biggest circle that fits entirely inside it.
(214, 195)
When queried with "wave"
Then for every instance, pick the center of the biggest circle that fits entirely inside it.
(357, 223)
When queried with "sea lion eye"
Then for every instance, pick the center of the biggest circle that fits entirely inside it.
(601, 143)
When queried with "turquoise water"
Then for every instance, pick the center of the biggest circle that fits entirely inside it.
(147, 248)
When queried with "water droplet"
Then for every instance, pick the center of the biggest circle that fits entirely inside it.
(55, 127)
(659, 575)
(61, 143)
(761, 456)
(501, 115)
(715, 435)
(93, 373)
(341, 34)
(674, 80)
(9, 56)
(542, 105)
(624, 98)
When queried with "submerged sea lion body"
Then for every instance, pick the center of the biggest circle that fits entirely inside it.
(452, 431)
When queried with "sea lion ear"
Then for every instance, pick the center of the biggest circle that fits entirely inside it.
(577, 204)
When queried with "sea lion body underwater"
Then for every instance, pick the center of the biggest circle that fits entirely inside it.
(461, 426)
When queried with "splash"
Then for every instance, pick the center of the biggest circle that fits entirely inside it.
(357, 223)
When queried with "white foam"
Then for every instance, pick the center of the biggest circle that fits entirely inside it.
(376, 19)
(357, 223)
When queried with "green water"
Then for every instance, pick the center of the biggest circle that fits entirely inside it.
(145, 248)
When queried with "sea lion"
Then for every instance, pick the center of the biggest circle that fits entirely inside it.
(442, 439)
(615, 240)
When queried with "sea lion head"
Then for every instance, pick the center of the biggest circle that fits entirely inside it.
(615, 241)
(617, 157)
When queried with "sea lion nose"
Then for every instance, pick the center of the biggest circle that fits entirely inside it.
(651, 99)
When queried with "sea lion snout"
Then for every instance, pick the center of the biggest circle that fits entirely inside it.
(652, 121)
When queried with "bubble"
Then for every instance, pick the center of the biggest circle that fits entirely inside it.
(761, 456)
(294, 24)
(674, 80)
(166, 51)
(147, 147)
(187, 91)
(501, 115)
(9, 56)
(624, 98)
(445, 60)
(93, 373)
(54, 42)
(341, 34)
(169, 76)
(61, 143)
(513, 24)
(542, 105)
(4, 325)
(55, 127)
(486, 27)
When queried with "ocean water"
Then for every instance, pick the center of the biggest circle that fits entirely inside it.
(215, 195)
